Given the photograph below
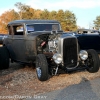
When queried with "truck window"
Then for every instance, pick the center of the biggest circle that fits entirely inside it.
(18, 30)
(42, 27)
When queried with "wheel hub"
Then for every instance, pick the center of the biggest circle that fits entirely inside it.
(38, 69)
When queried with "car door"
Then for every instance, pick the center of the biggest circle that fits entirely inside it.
(17, 41)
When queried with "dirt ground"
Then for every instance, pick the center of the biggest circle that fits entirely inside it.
(22, 81)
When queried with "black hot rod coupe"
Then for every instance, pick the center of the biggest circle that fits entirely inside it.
(88, 39)
(44, 43)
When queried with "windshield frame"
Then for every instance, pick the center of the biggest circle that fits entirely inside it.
(42, 23)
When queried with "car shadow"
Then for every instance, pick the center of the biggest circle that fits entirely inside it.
(12, 68)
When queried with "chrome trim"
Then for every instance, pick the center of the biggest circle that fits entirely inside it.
(60, 48)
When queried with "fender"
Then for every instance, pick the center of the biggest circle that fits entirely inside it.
(11, 52)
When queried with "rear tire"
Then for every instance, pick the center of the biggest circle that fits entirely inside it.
(42, 67)
(92, 61)
(4, 58)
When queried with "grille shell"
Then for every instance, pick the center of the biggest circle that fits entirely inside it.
(70, 52)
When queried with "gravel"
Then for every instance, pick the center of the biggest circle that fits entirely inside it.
(22, 81)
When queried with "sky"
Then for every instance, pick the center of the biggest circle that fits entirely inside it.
(85, 10)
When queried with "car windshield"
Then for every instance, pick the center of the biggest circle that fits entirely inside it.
(42, 27)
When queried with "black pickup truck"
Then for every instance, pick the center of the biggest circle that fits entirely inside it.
(44, 43)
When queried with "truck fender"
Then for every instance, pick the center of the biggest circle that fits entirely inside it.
(11, 52)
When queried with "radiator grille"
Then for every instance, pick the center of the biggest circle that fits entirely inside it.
(70, 52)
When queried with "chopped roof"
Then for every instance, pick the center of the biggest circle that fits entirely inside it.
(32, 21)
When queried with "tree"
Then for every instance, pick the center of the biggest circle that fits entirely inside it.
(53, 15)
(37, 14)
(5, 18)
(45, 14)
(24, 11)
(60, 15)
(67, 20)
(20, 7)
(70, 19)
(97, 22)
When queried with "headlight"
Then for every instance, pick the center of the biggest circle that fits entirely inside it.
(57, 58)
(83, 54)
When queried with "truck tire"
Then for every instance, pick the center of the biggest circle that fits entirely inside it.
(42, 67)
(4, 58)
(92, 61)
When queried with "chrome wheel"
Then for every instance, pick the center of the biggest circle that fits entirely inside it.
(38, 70)
(41, 67)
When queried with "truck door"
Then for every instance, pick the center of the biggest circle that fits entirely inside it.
(17, 42)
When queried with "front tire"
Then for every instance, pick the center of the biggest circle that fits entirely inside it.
(92, 61)
(42, 67)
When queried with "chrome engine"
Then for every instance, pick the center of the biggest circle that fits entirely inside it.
(53, 43)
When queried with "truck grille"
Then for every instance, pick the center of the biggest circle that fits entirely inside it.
(70, 55)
